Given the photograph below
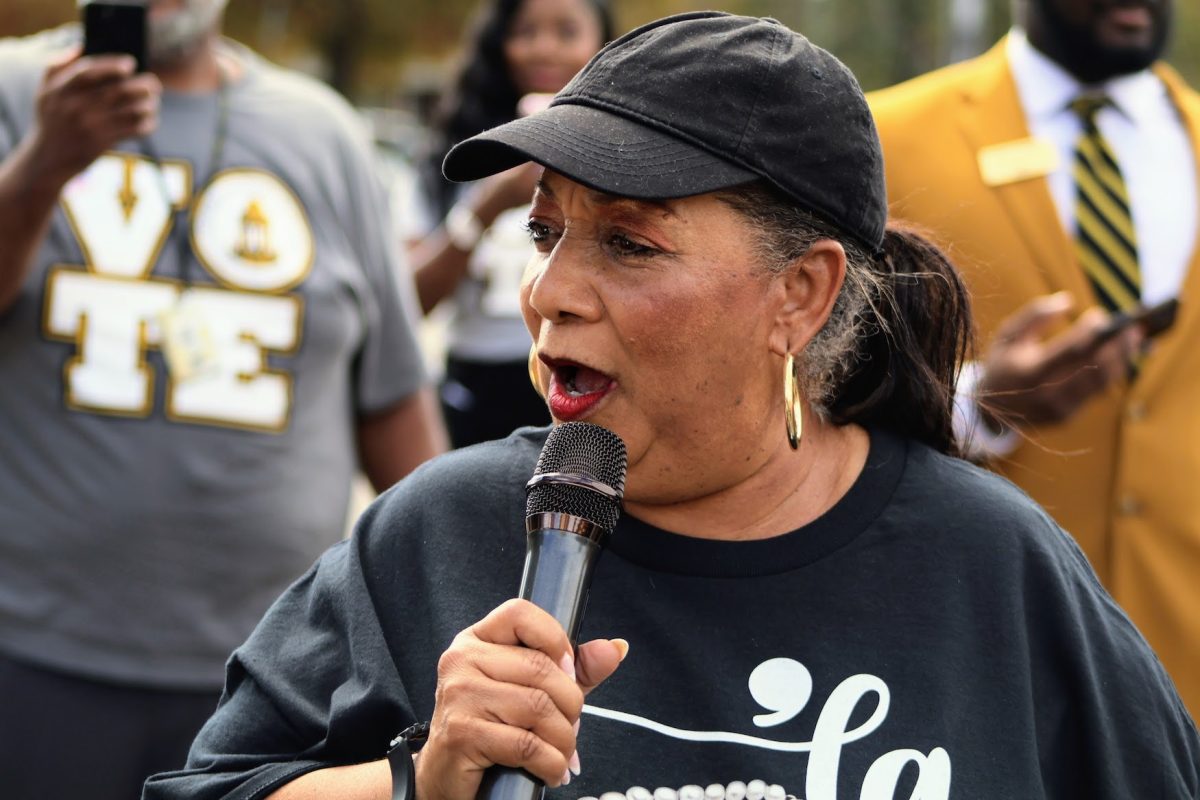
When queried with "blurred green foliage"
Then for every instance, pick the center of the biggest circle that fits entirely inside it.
(379, 51)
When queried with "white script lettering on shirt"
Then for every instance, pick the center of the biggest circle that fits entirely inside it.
(785, 686)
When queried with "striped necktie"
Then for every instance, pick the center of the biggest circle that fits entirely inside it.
(1105, 242)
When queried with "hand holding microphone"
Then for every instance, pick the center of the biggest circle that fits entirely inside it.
(511, 687)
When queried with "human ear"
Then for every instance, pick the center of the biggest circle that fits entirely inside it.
(811, 285)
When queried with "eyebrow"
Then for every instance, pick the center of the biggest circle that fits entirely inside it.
(612, 200)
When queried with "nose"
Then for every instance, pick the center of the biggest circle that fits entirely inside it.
(536, 47)
(561, 287)
(544, 44)
(532, 45)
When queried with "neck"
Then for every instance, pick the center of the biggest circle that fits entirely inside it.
(197, 72)
(791, 489)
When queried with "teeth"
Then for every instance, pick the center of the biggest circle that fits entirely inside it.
(569, 375)
(578, 381)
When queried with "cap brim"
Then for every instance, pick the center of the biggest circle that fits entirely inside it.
(599, 149)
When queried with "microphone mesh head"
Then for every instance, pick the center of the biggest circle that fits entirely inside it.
(592, 452)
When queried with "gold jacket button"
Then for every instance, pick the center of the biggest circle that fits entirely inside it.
(1129, 505)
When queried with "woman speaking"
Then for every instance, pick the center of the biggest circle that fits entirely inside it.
(806, 595)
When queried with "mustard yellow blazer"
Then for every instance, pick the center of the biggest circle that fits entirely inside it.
(1123, 476)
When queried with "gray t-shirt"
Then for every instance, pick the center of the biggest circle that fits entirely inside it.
(149, 513)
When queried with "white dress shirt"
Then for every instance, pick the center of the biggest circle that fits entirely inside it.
(1152, 147)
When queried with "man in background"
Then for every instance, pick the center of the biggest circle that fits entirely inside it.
(202, 335)
(1059, 169)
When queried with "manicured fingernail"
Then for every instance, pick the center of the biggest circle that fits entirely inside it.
(576, 726)
(568, 664)
(622, 647)
(566, 778)
(573, 764)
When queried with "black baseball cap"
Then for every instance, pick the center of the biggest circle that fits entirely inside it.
(703, 101)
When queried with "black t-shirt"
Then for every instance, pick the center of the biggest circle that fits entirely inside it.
(934, 635)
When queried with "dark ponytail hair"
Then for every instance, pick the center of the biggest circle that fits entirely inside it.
(908, 361)
(482, 94)
(900, 329)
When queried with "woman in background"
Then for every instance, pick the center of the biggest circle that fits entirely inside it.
(467, 242)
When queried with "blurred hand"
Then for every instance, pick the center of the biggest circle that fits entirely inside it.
(86, 105)
(509, 693)
(512, 188)
(533, 103)
(1028, 378)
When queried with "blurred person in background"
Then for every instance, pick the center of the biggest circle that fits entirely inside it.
(1060, 169)
(468, 243)
(201, 337)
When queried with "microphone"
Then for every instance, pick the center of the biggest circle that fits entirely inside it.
(572, 504)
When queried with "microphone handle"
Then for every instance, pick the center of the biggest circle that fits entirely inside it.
(558, 572)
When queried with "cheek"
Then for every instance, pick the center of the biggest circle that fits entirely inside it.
(702, 393)
(165, 8)
(698, 350)
(659, 327)
(532, 320)
(516, 55)
(580, 52)
(1078, 13)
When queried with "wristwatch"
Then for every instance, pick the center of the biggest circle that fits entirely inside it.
(400, 753)
(463, 228)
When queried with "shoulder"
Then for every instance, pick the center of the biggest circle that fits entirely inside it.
(983, 517)
(294, 99)
(926, 96)
(23, 59)
(972, 489)
(485, 465)
(1015, 570)
(481, 483)
(976, 526)
(1174, 80)
(925, 91)
(37, 48)
(458, 518)
(964, 522)
(1184, 95)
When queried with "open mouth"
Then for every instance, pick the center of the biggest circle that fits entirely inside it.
(1130, 15)
(579, 380)
(575, 389)
(546, 78)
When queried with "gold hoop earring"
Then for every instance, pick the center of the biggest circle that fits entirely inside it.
(533, 371)
(793, 411)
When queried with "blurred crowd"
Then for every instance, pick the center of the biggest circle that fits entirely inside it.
(231, 313)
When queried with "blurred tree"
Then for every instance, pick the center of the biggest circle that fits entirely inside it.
(371, 49)
(26, 16)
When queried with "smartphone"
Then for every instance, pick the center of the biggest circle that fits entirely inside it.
(1154, 320)
(115, 27)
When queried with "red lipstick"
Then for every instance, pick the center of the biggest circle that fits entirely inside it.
(575, 389)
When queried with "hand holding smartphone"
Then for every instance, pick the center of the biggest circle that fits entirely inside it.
(1154, 320)
(116, 28)
(88, 105)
